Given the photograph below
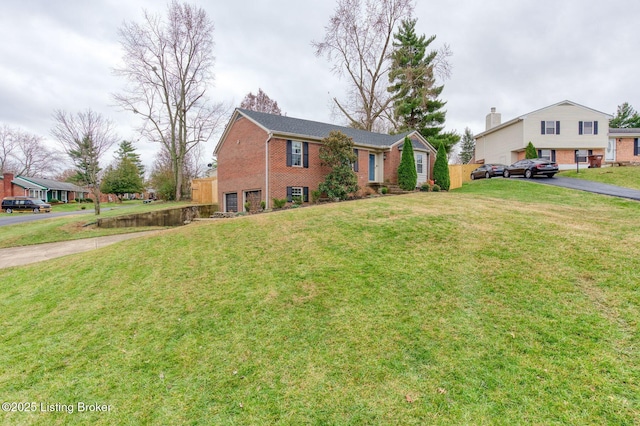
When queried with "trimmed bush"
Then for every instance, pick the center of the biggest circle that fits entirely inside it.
(407, 174)
(441, 170)
(279, 203)
(531, 151)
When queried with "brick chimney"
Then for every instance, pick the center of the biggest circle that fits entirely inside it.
(7, 187)
(493, 119)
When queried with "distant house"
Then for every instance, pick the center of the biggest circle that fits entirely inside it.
(560, 132)
(623, 146)
(44, 189)
(264, 156)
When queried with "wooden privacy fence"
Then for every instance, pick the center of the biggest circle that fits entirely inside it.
(205, 190)
(459, 173)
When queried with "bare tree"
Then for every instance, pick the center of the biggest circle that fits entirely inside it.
(168, 65)
(358, 41)
(25, 154)
(85, 138)
(261, 103)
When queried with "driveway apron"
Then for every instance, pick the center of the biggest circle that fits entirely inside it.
(590, 186)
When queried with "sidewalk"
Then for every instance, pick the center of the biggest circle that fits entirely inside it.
(17, 256)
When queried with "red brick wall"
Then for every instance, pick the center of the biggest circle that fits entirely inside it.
(241, 160)
(624, 150)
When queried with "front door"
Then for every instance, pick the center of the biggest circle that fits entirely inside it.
(372, 167)
(610, 153)
(231, 201)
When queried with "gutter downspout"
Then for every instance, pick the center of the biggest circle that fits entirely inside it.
(266, 171)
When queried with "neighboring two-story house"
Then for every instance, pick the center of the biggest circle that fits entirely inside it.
(265, 156)
(559, 132)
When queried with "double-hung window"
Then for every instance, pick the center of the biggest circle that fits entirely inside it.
(296, 154)
(582, 155)
(547, 154)
(588, 127)
(419, 164)
(550, 127)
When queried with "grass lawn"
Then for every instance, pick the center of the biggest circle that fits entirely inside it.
(504, 302)
(628, 176)
(75, 227)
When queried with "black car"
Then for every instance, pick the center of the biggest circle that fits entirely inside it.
(24, 204)
(531, 167)
(488, 171)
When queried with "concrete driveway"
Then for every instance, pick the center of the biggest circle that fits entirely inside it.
(590, 186)
(18, 256)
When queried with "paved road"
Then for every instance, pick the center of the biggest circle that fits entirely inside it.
(14, 218)
(590, 186)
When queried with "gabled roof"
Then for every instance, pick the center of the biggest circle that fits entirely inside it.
(41, 183)
(296, 128)
(524, 116)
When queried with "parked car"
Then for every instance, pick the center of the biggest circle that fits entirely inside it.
(23, 204)
(531, 167)
(488, 171)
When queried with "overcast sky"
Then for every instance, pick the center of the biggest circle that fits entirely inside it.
(517, 56)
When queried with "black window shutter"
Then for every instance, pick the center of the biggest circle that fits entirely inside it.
(305, 155)
(289, 197)
(557, 127)
(355, 165)
(590, 152)
(539, 153)
(579, 127)
(595, 127)
(542, 127)
(553, 155)
(289, 154)
(305, 194)
(636, 149)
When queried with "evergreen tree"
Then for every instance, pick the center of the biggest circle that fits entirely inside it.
(467, 146)
(531, 151)
(414, 88)
(123, 179)
(441, 169)
(337, 153)
(407, 174)
(127, 150)
(626, 117)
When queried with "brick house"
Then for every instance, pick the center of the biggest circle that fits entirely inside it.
(44, 189)
(264, 156)
(624, 146)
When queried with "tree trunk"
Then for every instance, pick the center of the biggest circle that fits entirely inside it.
(96, 201)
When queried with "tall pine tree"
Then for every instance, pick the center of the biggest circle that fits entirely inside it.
(414, 88)
(467, 146)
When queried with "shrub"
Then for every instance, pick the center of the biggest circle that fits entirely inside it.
(441, 169)
(247, 206)
(425, 187)
(263, 205)
(384, 190)
(337, 153)
(54, 201)
(279, 203)
(315, 196)
(435, 188)
(88, 200)
(297, 201)
(407, 174)
(530, 151)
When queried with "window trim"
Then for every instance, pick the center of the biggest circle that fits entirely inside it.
(296, 155)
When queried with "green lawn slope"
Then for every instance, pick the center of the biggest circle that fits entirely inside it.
(505, 302)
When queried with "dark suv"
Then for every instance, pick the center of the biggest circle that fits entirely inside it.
(23, 204)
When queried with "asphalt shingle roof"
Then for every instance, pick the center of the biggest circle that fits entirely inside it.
(27, 182)
(283, 125)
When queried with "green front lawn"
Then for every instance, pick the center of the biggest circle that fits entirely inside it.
(628, 176)
(504, 302)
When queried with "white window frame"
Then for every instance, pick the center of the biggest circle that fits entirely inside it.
(297, 191)
(296, 154)
(549, 127)
(419, 164)
(582, 155)
(587, 130)
(546, 151)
